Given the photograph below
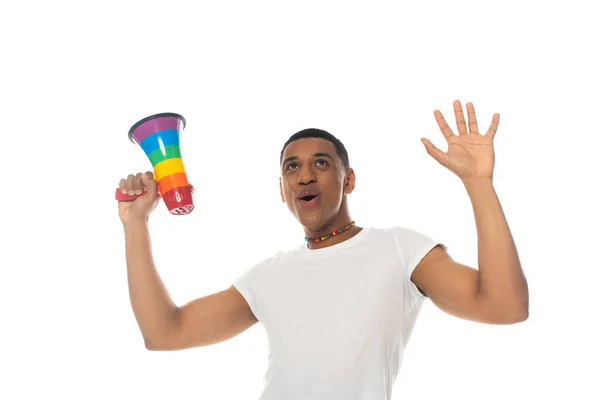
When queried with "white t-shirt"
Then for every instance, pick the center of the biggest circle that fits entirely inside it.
(337, 318)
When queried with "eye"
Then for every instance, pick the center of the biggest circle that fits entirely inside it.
(322, 162)
(291, 165)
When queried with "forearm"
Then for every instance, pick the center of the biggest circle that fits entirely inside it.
(154, 309)
(502, 283)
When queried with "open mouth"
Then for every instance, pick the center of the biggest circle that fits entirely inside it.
(310, 200)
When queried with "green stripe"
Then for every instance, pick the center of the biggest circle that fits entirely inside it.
(158, 155)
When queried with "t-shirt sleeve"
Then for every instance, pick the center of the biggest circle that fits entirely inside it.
(413, 246)
(247, 285)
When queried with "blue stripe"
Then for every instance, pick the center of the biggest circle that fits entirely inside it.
(165, 138)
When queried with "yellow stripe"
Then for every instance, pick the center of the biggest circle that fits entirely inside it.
(168, 167)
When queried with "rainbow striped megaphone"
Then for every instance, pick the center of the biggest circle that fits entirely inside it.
(158, 135)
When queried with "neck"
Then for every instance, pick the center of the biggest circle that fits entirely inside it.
(342, 237)
(341, 221)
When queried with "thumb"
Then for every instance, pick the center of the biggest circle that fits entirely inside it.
(150, 184)
(433, 151)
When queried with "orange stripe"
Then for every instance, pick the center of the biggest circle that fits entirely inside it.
(172, 181)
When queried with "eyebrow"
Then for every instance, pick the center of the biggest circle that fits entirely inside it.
(294, 158)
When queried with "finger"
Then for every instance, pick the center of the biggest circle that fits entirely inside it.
(494, 126)
(446, 131)
(137, 184)
(460, 118)
(147, 178)
(150, 185)
(129, 184)
(472, 119)
(123, 185)
(434, 152)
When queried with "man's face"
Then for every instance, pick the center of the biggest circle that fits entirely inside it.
(313, 181)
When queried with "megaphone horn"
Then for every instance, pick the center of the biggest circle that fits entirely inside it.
(158, 135)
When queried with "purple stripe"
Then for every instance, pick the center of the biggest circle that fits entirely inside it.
(155, 125)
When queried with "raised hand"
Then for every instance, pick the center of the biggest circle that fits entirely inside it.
(139, 208)
(470, 154)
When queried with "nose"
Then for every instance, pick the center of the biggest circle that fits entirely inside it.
(306, 176)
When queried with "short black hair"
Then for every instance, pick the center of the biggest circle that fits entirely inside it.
(340, 149)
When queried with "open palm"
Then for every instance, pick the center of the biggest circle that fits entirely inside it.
(470, 154)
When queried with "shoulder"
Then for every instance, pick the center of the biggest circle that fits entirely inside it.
(409, 243)
(412, 244)
(402, 235)
(409, 236)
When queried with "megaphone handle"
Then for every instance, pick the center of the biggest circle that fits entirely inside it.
(125, 197)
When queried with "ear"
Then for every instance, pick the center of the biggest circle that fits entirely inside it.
(281, 190)
(349, 181)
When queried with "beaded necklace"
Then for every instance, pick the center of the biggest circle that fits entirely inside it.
(334, 233)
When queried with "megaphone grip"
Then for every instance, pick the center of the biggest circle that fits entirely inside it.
(125, 197)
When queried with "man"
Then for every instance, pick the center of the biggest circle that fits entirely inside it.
(339, 309)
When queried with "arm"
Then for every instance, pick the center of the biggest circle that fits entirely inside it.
(497, 293)
(164, 326)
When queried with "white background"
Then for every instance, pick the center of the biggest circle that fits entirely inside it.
(246, 75)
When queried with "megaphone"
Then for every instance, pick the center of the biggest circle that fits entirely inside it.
(158, 135)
